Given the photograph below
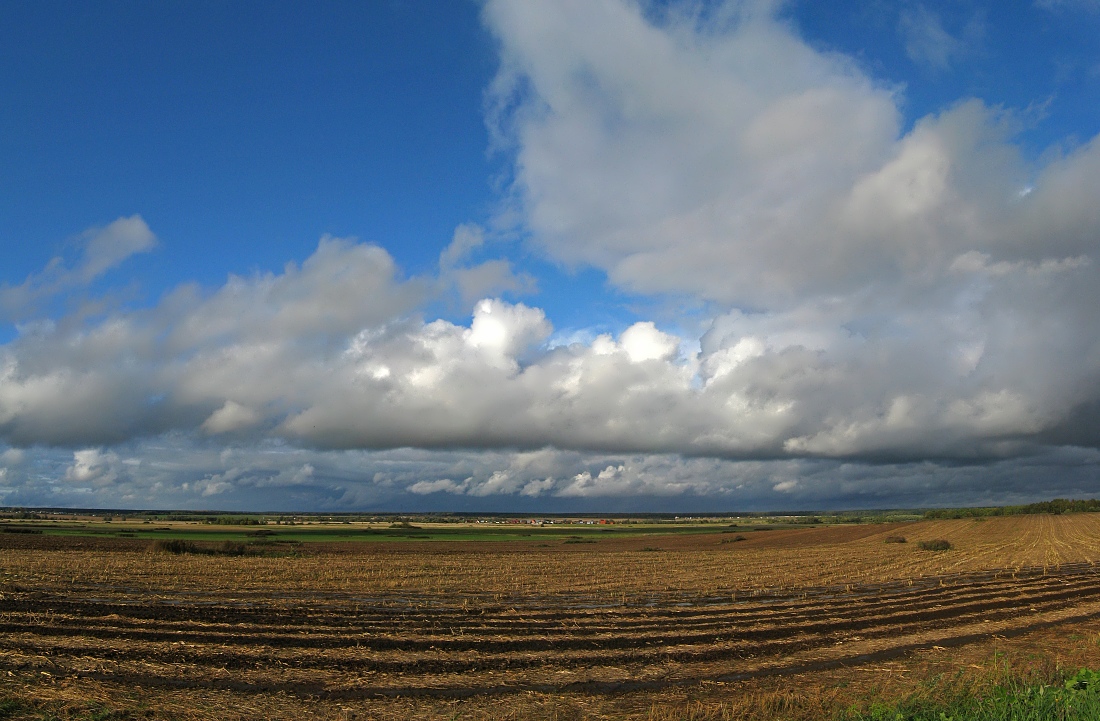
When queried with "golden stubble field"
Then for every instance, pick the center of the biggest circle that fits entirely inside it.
(784, 623)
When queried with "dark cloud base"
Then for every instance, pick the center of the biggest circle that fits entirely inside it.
(183, 476)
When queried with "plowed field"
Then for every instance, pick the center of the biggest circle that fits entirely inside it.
(352, 624)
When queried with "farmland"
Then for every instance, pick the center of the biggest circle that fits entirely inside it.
(397, 622)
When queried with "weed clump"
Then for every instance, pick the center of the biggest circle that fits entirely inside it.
(231, 548)
(174, 546)
(935, 545)
(177, 547)
(896, 539)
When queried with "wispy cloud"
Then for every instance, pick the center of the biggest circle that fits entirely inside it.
(101, 249)
(1069, 5)
(926, 40)
(475, 280)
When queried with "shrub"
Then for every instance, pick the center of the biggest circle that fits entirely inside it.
(895, 539)
(935, 545)
(177, 546)
(174, 545)
(230, 548)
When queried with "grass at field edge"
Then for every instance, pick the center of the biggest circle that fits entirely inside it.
(1010, 700)
(1020, 703)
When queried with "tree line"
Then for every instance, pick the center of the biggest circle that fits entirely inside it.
(1056, 507)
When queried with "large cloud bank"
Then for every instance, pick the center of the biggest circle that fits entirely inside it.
(330, 355)
(877, 294)
(925, 292)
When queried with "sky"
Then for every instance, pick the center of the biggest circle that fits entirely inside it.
(549, 255)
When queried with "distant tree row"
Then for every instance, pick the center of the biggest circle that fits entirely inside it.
(233, 521)
(1057, 506)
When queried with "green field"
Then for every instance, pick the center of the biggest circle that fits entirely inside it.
(286, 528)
(322, 532)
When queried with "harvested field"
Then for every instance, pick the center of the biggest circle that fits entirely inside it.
(368, 626)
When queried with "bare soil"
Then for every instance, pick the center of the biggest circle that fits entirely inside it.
(481, 629)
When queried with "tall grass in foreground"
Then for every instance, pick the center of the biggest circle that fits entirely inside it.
(1006, 694)
(1078, 698)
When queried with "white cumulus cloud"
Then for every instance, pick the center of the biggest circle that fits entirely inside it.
(863, 293)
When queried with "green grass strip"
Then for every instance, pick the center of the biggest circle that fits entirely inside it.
(1078, 698)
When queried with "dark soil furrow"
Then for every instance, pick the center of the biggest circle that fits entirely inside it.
(665, 645)
(335, 619)
(314, 690)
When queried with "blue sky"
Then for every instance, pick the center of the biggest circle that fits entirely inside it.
(249, 128)
(549, 255)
